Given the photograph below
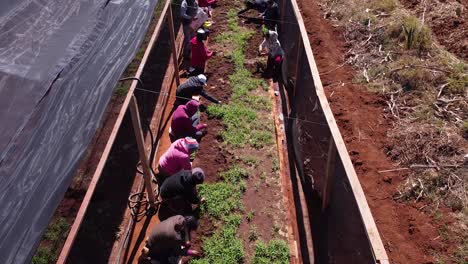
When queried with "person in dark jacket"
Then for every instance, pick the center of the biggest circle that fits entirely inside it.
(185, 122)
(259, 5)
(183, 186)
(193, 86)
(188, 12)
(169, 240)
(271, 15)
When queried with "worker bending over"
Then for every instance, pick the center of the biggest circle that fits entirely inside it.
(180, 189)
(169, 241)
(193, 86)
(271, 15)
(185, 122)
(275, 53)
(200, 54)
(188, 12)
(178, 157)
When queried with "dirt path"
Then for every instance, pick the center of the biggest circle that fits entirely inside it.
(409, 235)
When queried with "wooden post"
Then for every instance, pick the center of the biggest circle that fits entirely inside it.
(147, 174)
(174, 49)
(329, 174)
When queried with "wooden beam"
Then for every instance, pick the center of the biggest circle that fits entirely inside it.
(366, 215)
(285, 175)
(147, 173)
(305, 216)
(329, 174)
(107, 149)
(170, 21)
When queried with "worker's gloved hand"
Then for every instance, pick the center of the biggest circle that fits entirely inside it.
(188, 244)
(194, 253)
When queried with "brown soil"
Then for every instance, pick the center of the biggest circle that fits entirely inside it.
(409, 234)
(448, 20)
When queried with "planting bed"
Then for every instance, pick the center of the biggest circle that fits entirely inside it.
(246, 145)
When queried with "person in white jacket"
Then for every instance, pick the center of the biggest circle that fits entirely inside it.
(272, 47)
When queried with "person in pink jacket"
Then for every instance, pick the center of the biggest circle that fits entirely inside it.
(176, 158)
(185, 122)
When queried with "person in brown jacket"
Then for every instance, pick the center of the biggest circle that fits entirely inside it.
(169, 241)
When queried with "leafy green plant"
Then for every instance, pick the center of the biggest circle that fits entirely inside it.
(55, 234)
(44, 255)
(121, 90)
(250, 216)
(276, 251)
(234, 175)
(224, 246)
(251, 161)
(57, 230)
(221, 199)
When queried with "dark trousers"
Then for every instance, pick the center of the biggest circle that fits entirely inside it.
(273, 68)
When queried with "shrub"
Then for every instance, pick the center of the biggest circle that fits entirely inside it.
(234, 175)
(384, 5)
(413, 78)
(458, 79)
(417, 36)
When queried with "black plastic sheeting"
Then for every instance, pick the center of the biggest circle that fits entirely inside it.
(59, 63)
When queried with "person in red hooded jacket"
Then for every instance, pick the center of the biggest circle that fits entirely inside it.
(185, 122)
(200, 54)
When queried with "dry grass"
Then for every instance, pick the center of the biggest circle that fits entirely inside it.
(435, 156)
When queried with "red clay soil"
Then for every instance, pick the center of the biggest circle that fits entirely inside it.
(409, 235)
(448, 21)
